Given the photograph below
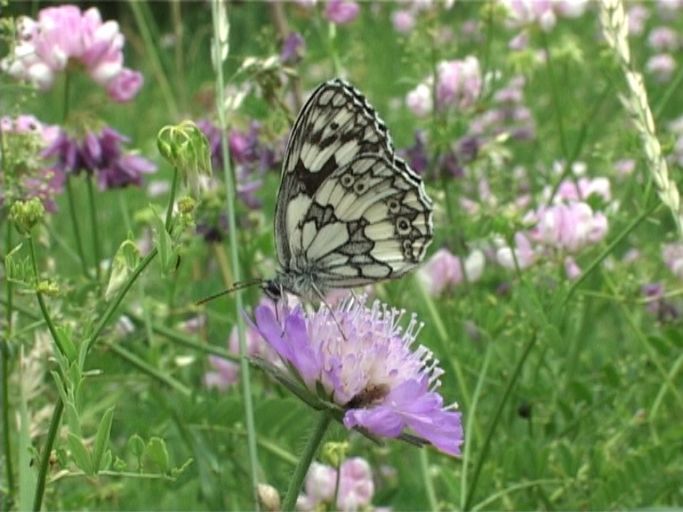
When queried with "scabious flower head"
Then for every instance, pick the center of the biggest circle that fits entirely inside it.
(63, 34)
(355, 492)
(341, 12)
(359, 358)
(24, 173)
(101, 154)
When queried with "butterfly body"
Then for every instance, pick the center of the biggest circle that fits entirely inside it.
(349, 212)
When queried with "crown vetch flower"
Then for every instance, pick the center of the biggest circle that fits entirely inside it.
(355, 492)
(62, 34)
(341, 12)
(102, 154)
(372, 371)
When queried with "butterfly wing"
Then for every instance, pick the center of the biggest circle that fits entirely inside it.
(335, 126)
(369, 220)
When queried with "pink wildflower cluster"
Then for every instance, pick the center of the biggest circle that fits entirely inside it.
(404, 19)
(354, 489)
(445, 270)
(566, 225)
(542, 12)
(63, 35)
(458, 84)
(342, 12)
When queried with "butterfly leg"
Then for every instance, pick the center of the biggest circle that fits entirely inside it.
(322, 299)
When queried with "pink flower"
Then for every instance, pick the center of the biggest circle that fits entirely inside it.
(523, 253)
(125, 86)
(582, 188)
(625, 167)
(62, 34)
(663, 39)
(673, 258)
(637, 16)
(525, 12)
(403, 21)
(444, 270)
(419, 100)
(459, 83)
(571, 268)
(568, 227)
(661, 66)
(341, 12)
(356, 486)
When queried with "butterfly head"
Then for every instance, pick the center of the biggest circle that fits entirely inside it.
(273, 289)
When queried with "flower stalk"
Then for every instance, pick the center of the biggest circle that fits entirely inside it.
(305, 460)
(220, 50)
(94, 227)
(5, 354)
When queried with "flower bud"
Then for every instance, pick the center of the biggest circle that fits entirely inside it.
(186, 205)
(334, 453)
(26, 214)
(268, 497)
(47, 288)
(186, 148)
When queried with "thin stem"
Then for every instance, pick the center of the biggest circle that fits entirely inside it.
(74, 224)
(555, 97)
(171, 200)
(41, 301)
(594, 264)
(111, 309)
(494, 422)
(45, 456)
(147, 368)
(305, 461)
(427, 479)
(94, 227)
(221, 47)
(4, 349)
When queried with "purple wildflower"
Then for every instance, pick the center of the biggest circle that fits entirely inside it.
(369, 370)
(341, 12)
(416, 155)
(293, 48)
(657, 303)
(100, 154)
(403, 21)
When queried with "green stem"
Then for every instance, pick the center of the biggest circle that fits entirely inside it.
(305, 461)
(427, 479)
(94, 227)
(594, 264)
(45, 456)
(41, 301)
(171, 200)
(4, 353)
(555, 97)
(494, 422)
(220, 47)
(76, 228)
(153, 57)
(147, 368)
(111, 309)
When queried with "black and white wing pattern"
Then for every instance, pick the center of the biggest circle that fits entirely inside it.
(349, 211)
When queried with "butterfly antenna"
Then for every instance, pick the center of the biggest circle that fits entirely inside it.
(327, 305)
(237, 286)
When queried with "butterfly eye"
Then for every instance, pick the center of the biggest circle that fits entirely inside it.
(347, 180)
(402, 226)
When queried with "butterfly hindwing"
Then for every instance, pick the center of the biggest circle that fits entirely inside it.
(370, 220)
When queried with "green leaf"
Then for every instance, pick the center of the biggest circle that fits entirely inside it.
(125, 260)
(102, 439)
(64, 335)
(164, 243)
(156, 455)
(105, 463)
(72, 418)
(80, 454)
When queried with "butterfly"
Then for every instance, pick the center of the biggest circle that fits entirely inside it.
(349, 211)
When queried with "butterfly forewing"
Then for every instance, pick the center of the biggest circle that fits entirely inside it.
(349, 212)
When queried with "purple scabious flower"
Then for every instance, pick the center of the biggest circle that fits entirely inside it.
(101, 154)
(361, 359)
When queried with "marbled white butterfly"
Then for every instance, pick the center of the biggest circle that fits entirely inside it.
(349, 212)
